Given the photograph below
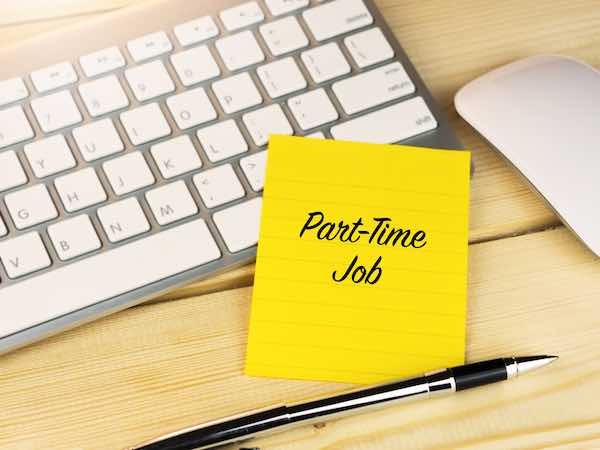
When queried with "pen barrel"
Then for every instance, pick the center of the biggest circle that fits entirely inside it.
(480, 373)
(374, 397)
(229, 430)
(241, 428)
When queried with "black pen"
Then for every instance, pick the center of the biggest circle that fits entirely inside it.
(241, 428)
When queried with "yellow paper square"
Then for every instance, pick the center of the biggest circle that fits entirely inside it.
(305, 325)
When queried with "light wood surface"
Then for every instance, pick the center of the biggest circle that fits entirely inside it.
(533, 289)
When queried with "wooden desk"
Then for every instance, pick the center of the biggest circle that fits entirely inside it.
(533, 289)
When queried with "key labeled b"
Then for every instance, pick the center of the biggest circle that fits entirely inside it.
(74, 237)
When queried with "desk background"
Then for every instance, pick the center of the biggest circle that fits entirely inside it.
(533, 289)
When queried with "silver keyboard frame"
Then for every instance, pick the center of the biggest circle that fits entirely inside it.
(129, 25)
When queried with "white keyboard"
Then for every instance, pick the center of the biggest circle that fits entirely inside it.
(130, 164)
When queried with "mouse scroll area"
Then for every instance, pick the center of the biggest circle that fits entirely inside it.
(541, 113)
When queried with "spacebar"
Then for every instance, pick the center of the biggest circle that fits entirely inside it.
(106, 275)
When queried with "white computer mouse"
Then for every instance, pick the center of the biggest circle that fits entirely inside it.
(543, 114)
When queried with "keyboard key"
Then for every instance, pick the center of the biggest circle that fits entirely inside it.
(369, 47)
(128, 173)
(149, 46)
(239, 50)
(53, 77)
(171, 203)
(373, 88)
(79, 190)
(123, 220)
(196, 31)
(145, 124)
(228, 222)
(263, 122)
(241, 16)
(3, 229)
(24, 255)
(222, 140)
(102, 61)
(337, 17)
(195, 65)
(281, 77)
(30, 206)
(74, 237)
(191, 108)
(176, 157)
(12, 90)
(56, 111)
(218, 186)
(11, 171)
(163, 257)
(49, 156)
(149, 80)
(389, 125)
(253, 167)
(312, 109)
(284, 35)
(279, 7)
(97, 140)
(103, 96)
(237, 93)
(325, 63)
(14, 126)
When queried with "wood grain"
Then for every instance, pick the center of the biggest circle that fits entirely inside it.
(156, 368)
(161, 366)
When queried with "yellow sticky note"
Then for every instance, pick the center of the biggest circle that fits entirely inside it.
(361, 272)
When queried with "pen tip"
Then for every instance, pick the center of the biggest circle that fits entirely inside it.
(528, 363)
